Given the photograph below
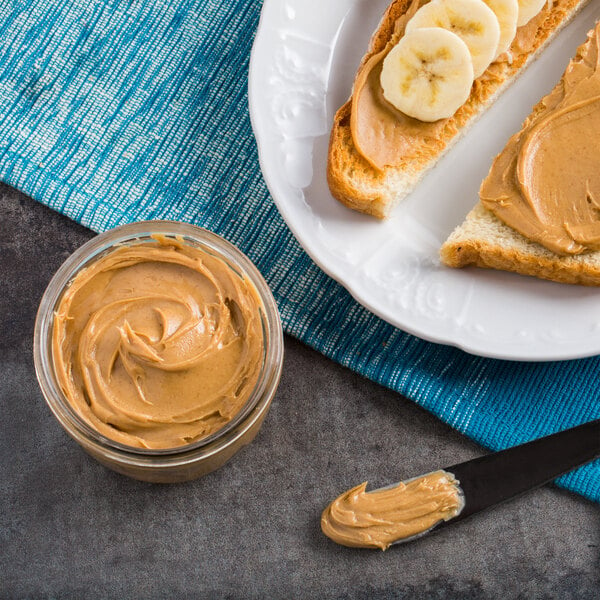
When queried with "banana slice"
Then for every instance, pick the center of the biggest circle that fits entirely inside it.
(507, 13)
(472, 20)
(428, 74)
(528, 9)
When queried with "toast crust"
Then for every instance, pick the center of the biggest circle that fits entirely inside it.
(357, 184)
(507, 250)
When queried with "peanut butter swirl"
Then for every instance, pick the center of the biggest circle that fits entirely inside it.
(377, 519)
(158, 344)
(546, 182)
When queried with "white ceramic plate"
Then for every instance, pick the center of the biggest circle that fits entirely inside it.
(303, 63)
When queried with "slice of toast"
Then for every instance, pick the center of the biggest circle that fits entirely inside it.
(362, 187)
(486, 241)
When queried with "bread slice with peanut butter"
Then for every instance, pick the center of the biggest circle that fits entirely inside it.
(539, 209)
(371, 176)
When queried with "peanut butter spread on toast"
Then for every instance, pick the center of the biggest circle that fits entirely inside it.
(386, 137)
(545, 184)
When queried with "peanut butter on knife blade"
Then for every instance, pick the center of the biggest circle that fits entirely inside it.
(379, 518)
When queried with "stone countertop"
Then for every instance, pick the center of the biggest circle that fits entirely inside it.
(69, 528)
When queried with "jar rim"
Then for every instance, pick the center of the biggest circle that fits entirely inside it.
(138, 232)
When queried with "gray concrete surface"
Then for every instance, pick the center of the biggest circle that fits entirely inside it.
(69, 528)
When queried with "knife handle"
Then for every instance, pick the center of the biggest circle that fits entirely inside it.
(497, 477)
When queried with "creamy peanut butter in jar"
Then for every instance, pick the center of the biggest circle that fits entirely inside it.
(158, 346)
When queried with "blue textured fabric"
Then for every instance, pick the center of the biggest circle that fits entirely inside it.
(113, 111)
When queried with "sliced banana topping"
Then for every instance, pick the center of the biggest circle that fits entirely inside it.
(428, 75)
(507, 13)
(447, 44)
(471, 20)
(528, 9)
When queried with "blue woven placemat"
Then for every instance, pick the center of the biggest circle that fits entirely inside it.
(113, 111)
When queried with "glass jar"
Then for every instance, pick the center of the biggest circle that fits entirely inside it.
(185, 462)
